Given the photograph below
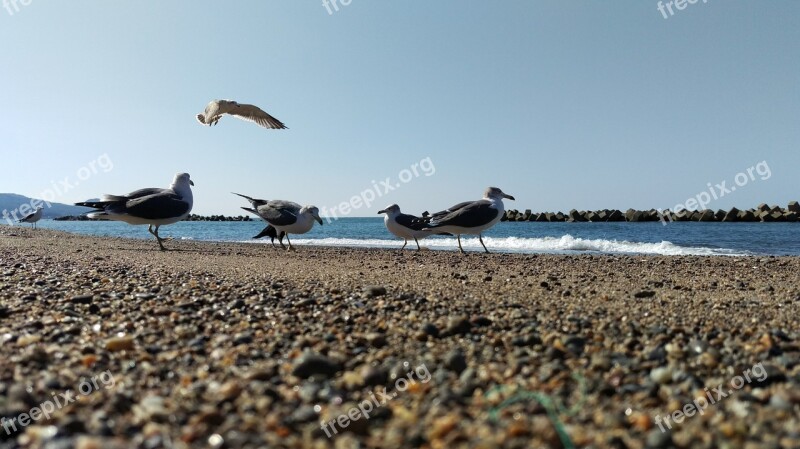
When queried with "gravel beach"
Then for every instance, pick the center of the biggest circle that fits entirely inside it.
(246, 346)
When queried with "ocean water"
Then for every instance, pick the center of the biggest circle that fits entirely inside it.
(681, 238)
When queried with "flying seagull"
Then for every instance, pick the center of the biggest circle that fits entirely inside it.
(217, 108)
(404, 226)
(152, 206)
(33, 217)
(285, 217)
(470, 217)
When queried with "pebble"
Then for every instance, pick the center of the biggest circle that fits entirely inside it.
(310, 364)
(125, 343)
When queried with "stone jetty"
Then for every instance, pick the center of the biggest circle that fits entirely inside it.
(764, 213)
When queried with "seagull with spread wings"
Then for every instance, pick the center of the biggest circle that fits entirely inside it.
(217, 108)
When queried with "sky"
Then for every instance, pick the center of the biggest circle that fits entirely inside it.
(563, 104)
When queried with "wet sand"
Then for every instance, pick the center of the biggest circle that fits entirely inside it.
(243, 345)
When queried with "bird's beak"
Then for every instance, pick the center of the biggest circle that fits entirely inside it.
(382, 211)
(509, 197)
(191, 183)
(319, 220)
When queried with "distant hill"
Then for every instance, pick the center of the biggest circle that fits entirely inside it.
(12, 201)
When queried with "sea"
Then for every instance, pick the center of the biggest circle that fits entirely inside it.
(654, 238)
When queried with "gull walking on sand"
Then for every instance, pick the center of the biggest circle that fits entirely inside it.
(470, 217)
(33, 217)
(285, 217)
(405, 226)
(217, 108)
(154, 207)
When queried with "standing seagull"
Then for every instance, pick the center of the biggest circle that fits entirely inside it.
(470, 217)
(152, 206)
(285, 217)
(33, 217)
(217, 108)
(404, 226)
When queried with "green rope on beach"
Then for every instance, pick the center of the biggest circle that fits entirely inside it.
(553, 408)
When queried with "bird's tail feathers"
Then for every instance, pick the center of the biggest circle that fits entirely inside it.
(243, 196)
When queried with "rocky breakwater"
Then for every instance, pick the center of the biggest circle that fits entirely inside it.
(763, 213)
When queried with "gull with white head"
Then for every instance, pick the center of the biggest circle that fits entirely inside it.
(151, 206)
(470, 217)
(33, 217)
(284, 217)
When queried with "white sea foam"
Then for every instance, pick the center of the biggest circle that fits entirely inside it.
(566, 244)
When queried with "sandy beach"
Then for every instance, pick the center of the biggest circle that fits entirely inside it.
(246, 346)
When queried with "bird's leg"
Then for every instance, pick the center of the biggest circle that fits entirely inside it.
(290, 242)
(280, 240)
(458, 236)
(159, 239)
(405, 242)
(484, 246)
(417, 241)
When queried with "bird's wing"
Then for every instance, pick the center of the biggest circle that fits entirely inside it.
(469, 214)
(279, 213)
(255, 114)
(410, 222)
(145, 192)
(288, 205)
(443, 213)
(154, 207)
(28, 217)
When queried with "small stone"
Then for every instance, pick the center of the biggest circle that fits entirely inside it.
(374, 291)
(81, 299)
(661, 375)
(430, 329)
(125, 343)
(26, 340)
(644, 294)
(376, 340)
(458, 326)
(656, 439)
(310, 364)
(481, 321)
(456, 361)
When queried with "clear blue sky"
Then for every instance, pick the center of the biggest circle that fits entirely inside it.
(584, 104)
